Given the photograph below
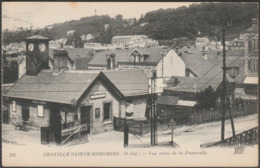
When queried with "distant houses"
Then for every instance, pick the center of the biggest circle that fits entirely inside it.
(71, 58)
(155, 62)
(132, 41)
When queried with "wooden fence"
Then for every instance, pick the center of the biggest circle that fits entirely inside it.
(249, 137)
(198, 117)
(138, 127)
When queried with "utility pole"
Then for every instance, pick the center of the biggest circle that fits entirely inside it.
(224, 88)
(152, 99)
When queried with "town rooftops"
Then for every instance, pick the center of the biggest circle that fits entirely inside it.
(74, 53)
(212, 78)
(192, 58)
(100, 59)
(69, 86)
(152, 56)
(236, 53)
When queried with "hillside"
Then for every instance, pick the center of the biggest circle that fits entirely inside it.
(205, 18)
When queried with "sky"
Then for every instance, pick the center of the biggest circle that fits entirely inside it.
(40, 14)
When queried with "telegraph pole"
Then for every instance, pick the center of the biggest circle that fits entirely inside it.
(152, 100)
(224, 88)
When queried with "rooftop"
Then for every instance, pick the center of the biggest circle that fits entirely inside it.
(68, 86)
(101, 60)
(74, 53)
(236, 53)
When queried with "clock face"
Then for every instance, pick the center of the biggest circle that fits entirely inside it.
(30, 47)
(42, 47)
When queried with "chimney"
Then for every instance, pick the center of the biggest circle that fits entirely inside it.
(111, 60)
(175, 82)
(204, 55)
(60, 59)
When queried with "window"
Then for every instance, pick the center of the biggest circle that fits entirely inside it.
(14, 106)
(97, 112)
(107, 111)
(40, 110)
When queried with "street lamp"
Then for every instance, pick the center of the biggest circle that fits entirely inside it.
(172, 124)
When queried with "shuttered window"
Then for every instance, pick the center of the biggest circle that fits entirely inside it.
(40, 110)
(14, 106)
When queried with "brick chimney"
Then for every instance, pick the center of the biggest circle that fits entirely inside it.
(60, 59)
(204, 54)
(111, 59)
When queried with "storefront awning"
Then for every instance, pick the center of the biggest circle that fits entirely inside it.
(251, 80)
(186, 103)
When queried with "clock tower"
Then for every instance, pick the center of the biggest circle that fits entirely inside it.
(37, 54)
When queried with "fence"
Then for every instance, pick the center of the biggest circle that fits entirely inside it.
(138, 127)
(198, 117)
(249, 137)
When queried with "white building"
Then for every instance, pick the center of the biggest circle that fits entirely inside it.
(201, 41)
(134, 41)
(70, 32)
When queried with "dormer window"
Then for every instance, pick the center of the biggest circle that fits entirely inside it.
(176, 82)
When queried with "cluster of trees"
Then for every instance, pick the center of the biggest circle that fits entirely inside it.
(206, 18)
(10, 71)
(206, 98)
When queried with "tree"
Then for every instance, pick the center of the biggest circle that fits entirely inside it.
(75, 40)
(206, 98)
(10, 71)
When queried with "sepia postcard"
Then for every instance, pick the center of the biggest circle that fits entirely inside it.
(130, 84)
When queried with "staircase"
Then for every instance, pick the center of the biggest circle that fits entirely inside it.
(74, 132)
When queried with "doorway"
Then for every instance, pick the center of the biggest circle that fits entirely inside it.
(85, 116)
(107, 111)
(25, 112)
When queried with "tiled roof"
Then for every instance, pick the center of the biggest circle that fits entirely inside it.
(70, 85)
(186, 84)
(153, 55)
(129, 82)
(194, 61)
(82, 63)
(74, 53)
(62, 88)
(100, 57)
(236, 52)
(212, 78)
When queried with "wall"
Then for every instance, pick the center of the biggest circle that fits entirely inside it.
(139, 107)
(22, 67)
(96, 67)
(98, 123)
(35, 120)
(173, 65)
(148, 69)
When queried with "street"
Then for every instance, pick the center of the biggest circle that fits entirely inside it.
(185, 136)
